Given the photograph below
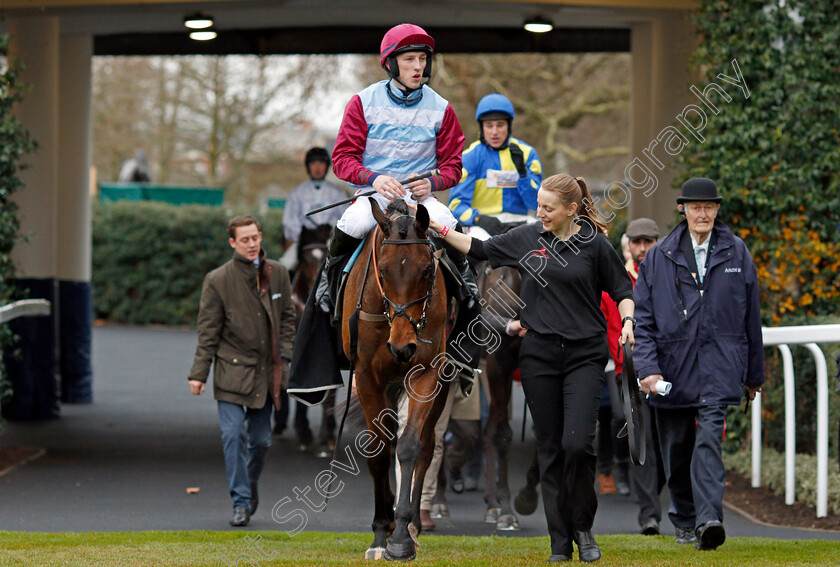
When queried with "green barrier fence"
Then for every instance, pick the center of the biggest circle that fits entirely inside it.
(174, 195)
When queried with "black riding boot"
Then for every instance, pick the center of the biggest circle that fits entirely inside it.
(468, 294)
(340, 245)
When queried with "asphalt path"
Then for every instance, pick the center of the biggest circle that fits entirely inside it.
(125, 462)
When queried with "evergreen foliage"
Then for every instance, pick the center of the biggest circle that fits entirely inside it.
(14, 145)
(776, 159)
(150, 259)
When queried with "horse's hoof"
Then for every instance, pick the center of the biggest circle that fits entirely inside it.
(400, 551)
(507, 523)
(491, 516)
(440, 510)
(526, 501)
(375, 553)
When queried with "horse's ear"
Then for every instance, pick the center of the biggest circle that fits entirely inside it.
(383, 221)
(421, 220)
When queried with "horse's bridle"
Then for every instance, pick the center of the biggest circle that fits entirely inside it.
(400, 309)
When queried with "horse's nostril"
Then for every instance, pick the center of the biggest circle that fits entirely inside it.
(403, 354)
(408, 351)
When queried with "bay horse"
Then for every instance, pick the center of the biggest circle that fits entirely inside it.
(396, 298)
(499, 289)
(312, 250)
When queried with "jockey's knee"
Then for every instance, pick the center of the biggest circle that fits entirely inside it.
(356, 221)
(440, 212)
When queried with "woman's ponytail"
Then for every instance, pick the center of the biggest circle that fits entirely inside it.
(587, 208)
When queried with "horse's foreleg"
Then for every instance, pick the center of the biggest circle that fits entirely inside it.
(424, 404)
(527, 500)
(382, 426)
(491, 515)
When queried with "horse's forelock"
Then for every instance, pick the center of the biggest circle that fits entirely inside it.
(397, 206)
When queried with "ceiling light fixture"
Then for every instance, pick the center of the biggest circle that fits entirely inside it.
(538, 24)
(203, 35)
(198, 21)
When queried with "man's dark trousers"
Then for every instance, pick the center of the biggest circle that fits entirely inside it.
(691, 455)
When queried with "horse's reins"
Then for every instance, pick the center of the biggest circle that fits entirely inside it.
(400, 309)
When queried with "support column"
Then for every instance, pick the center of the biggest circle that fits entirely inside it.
(661, 50)
(74, 223)
(34, 376)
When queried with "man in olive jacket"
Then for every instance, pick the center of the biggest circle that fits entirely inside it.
(246, 326)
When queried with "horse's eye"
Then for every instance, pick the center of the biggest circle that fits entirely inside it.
(427, 273)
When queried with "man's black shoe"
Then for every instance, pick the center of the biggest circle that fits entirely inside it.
(685, 535)
(650, 527)
(710, 535)
(558, 558)
(255, 498)
(241, 517)
(588, 549)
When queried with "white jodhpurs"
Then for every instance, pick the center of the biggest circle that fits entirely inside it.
(358, 219)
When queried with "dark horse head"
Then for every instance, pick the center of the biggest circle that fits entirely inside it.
(406, 273)
(312, 249)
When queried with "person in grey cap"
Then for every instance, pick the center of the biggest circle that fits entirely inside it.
(698, 327)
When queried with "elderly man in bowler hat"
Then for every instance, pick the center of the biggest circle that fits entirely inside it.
(698, 327)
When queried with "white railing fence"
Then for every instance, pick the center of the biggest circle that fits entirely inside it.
(809, 336)
(24, 308)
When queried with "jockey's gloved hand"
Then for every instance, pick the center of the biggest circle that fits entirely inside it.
(518, 159)
(492, 225)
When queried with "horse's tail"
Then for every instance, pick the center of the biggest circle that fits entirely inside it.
(355, 414)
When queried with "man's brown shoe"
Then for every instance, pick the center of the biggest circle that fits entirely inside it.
(426, 521)
(606, 484)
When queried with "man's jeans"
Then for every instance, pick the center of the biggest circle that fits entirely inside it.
(244, 452)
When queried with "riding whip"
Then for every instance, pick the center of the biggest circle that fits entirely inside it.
(426, 175)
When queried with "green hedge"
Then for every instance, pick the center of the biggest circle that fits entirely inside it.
(773, 475)
(149, 259)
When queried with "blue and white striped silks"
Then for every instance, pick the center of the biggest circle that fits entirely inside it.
(401, 139)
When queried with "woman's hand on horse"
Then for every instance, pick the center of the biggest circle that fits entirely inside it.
(421, 189)
(434, 224)
(388, 187)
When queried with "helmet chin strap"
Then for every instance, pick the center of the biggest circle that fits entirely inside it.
(406, 98)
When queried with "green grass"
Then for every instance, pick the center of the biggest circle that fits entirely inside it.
(313, 548)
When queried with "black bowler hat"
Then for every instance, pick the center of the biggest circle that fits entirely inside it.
(699, 189)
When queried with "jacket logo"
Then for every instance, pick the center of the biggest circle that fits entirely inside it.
(541, 252)
(279, 295)
(730, 270)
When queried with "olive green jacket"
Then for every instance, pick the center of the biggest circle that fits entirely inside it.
(246, 328)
